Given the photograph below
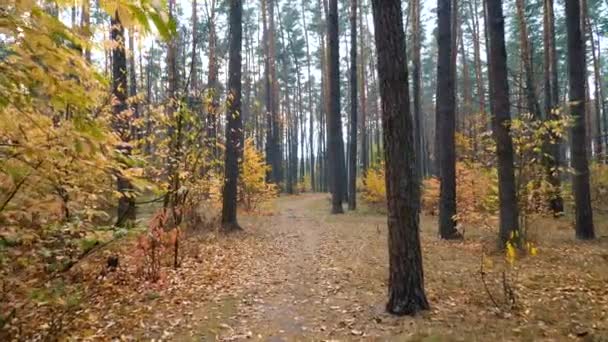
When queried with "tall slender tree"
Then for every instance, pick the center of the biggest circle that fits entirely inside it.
(406, 278)
(551, 86)
(416, 83)
(334, 118)
(499, 101)
(578, 146)
(532, 104)
(352, 161)
(212, 80)
(311, 117)
(234, 126)
(126, 203)
(446, 119)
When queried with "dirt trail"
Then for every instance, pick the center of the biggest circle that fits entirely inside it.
(304, 291)
(326, 280)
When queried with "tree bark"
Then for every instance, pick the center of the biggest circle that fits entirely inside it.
(126, 203)
(234, 126)
(334, 119)
(578, 146)
(406, 279)
(445, 116)
(313, 183)
(556, 202)
(416, 82)
(499, 101)
(352, 162)
(212, 83)
(526, 59)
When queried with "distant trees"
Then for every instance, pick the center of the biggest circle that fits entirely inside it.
(406, 280)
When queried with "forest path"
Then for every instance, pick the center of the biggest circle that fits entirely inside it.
(308, 288)
(323, 277)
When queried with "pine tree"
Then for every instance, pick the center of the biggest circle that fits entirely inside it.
(406, 280)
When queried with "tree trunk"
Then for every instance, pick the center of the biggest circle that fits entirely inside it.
(313, 183)
(499, 101)
(416, 82)
(194, 81)
(212, 83)
(126, 203)
(334, 119)
(526, 59)
(133, 77)
(446, 117)
(406, 277)
(578, 146)
(234, 126)
(86, 26)
(352, 162)
(556, 202)
(598, 92)
(363, 86)
(481, 93)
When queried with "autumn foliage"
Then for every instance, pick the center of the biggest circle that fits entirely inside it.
(253, 188)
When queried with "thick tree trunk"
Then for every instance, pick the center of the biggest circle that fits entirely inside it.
(334, 119)
(126, 203)
(234, 126)
(446, 100)
(499, 100)
(406, 279)
(352, 162)
(578, 146)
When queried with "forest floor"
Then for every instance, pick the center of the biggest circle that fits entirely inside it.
(302, 274)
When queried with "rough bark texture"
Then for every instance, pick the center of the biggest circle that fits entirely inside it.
(406, 280)
(446, 101)
(352, 161)
(416, 85)
(334, 119)
(578, 146)
(499, 101)
(234, 126)
(556, 202)
(126, 204)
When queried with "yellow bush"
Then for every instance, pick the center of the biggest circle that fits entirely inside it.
(374, 186)
(304, 185)
(253, 189)
(476, 193)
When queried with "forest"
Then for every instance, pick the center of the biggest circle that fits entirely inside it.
(295, 170)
